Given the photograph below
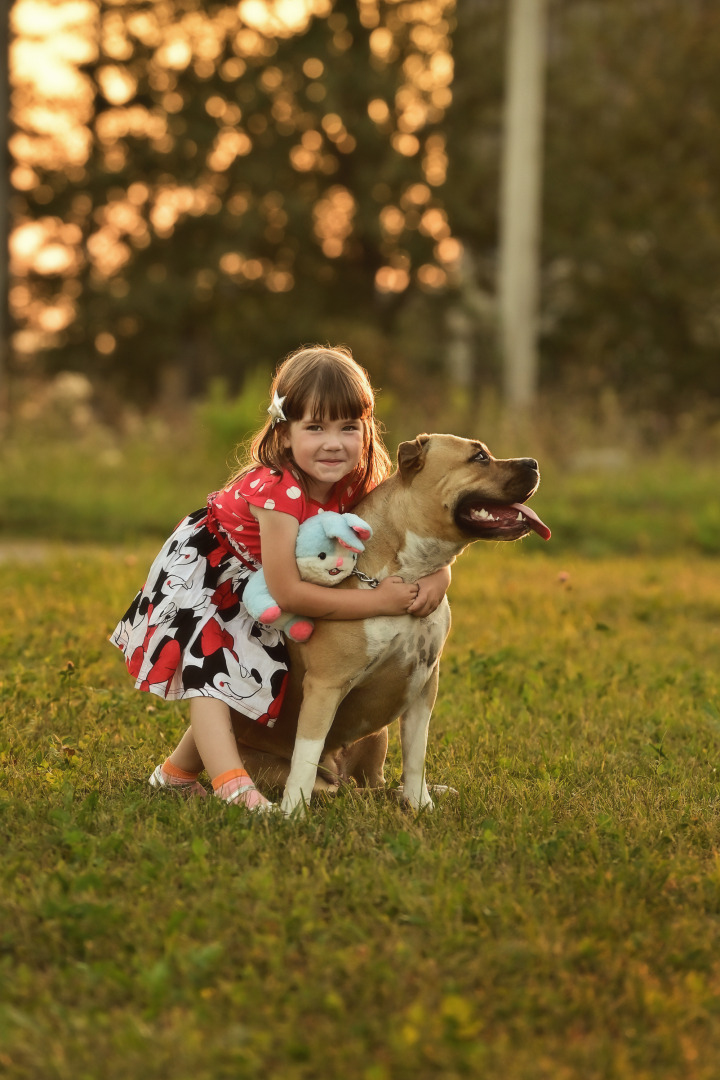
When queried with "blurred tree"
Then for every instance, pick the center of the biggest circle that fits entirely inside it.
(4, 200)
(250, 185)
(631, 226)
(209, 185)
(632, 217)
(474, 142)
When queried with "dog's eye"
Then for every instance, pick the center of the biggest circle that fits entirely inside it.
(322, 555)
(480, 455)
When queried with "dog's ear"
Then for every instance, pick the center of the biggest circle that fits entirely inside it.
(411, 456)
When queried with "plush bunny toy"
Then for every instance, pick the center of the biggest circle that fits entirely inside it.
(326, 550)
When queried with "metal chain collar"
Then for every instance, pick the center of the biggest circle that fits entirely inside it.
(371, 581)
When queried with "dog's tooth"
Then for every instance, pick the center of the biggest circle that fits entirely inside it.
(519, 517)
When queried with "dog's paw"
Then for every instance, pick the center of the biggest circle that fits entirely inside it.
(414, 802)
(443, 789)
(294, 806)
(423, 801)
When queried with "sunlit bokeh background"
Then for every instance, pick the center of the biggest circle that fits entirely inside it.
(134, 122)
(197, 188)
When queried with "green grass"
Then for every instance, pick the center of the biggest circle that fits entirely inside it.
(559, 918)
(98, 488)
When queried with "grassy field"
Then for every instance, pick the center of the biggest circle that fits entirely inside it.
(558, 918)
(99, 487)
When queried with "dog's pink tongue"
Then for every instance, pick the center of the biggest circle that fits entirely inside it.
(533, 520)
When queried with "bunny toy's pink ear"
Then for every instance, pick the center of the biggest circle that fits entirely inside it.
(364, 534)
(344, 544)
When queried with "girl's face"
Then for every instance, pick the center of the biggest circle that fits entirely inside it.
(325, 450)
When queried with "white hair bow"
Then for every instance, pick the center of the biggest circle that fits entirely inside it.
(276, 409)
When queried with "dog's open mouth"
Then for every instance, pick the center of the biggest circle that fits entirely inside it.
(499, 521)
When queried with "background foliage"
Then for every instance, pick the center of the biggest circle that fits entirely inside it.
(236, 183)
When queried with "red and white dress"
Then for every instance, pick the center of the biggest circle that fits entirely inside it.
(187, 632)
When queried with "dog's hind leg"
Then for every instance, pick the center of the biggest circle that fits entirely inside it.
(364, 760)
(414, 724)
(270, 773)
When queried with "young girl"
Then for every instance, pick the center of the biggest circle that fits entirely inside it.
(188, 635)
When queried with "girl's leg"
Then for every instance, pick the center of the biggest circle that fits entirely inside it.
(214, 738)
(185, 755)
(180, 771)
(210, 721)
(212, 733)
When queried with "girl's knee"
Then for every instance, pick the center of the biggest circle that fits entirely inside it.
(208, 710)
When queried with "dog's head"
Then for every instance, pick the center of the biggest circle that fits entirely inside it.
(481, 497)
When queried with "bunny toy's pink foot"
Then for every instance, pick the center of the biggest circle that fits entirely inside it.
(270, 615)
(300, 631)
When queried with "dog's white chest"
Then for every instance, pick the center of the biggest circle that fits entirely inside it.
(412, 642)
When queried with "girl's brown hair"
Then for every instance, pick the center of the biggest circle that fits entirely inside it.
(327, 384)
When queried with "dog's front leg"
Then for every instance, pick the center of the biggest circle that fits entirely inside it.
(414, 725)
(320, 703)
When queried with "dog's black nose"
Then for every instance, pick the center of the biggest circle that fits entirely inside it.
(531, 463)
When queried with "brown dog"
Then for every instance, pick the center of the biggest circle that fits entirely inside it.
(352, 679)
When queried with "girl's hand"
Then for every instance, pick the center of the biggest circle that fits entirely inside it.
(395, 596)
(278, 533)
(431, 591)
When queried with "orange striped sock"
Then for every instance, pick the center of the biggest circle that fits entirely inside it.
(178, 774)
(231, 774)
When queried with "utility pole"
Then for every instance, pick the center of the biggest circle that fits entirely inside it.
(520, 201)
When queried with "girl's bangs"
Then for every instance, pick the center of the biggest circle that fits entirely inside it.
(334, 396)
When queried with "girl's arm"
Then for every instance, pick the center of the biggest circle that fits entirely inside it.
(431, 591)
(278, 533)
